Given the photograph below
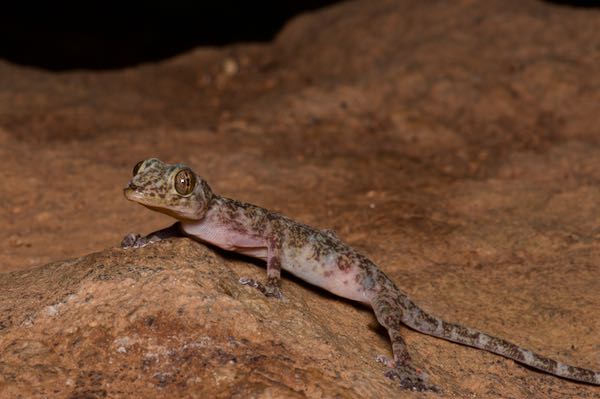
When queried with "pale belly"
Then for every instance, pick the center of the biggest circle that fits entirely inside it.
(301, 262)
(227, 239)
(324, 273)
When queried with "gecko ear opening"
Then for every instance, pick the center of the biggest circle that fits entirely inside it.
(185, 182)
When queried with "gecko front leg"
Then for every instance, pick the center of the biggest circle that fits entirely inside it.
(272, 287)
(133, 240)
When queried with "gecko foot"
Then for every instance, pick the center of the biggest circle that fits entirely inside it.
(408, 376)
(135, 241)
(386, 361)
(269, 290)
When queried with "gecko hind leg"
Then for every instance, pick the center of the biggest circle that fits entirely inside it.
(400, 368)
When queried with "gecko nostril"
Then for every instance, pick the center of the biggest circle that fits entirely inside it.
(132, 185)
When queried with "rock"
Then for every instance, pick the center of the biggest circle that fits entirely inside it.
(454, 144)
(171, 320)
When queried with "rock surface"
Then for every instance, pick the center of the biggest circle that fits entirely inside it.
(456, 145)
(171, 320)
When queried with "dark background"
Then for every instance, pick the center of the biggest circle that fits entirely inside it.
(60, 35)
(103, 35)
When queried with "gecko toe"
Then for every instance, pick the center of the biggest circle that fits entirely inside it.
(136, 241)
(267, 290)
(385, 361)
(410, 378)
(130, 240)
(273, 292)
(249, 281)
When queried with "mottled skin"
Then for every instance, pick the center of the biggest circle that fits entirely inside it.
(316, 256)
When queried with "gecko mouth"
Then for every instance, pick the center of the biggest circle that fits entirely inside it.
(130, 193)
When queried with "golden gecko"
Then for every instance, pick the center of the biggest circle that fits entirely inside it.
(316, 256)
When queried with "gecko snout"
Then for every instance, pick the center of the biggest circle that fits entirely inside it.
(130, 188)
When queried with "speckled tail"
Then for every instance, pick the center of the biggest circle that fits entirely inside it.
(416, 318)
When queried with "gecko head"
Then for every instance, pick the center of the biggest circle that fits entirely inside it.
(171, 189)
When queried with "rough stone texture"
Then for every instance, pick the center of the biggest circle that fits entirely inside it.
(456, 144)
(145, 323)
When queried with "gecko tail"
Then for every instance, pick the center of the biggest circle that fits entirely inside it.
(423, 322)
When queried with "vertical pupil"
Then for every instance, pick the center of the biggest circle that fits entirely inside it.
(185, 182)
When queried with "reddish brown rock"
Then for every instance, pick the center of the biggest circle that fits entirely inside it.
(454, 144)
(170, 320)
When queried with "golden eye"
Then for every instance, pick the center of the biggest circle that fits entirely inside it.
(137, 167)
(185, 181)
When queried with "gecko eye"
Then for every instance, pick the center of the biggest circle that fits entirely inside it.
(185, 181)
(137, 167)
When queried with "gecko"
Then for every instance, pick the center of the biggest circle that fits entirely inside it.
(316, 256)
